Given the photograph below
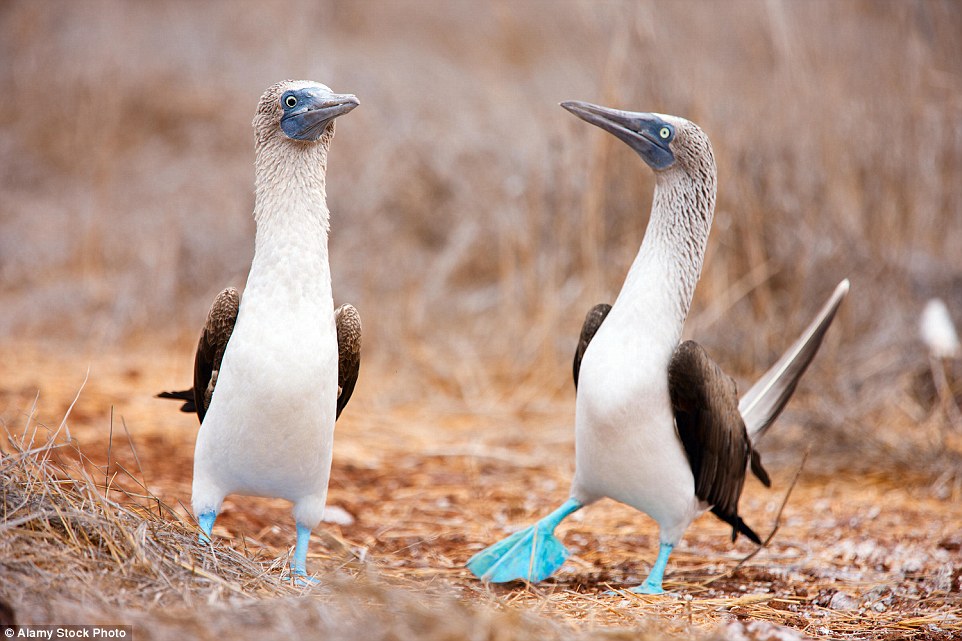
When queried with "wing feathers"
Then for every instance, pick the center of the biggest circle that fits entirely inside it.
(762, 404)
(705, 401)
(716, 429)
(210, 352)
(593, 320)
(348, 323)
(211, 346)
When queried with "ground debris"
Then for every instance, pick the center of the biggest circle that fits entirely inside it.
(858, 555)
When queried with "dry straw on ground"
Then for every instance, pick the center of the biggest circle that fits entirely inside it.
(68, 554)
(866, 556)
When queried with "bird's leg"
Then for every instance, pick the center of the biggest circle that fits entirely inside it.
(532, 554)
(206, 523)
(299, 562)
(652, 584)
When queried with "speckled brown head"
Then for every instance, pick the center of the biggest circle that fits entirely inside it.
(300, 110)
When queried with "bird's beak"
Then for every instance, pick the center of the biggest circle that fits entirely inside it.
(639, 130)
(312, 116)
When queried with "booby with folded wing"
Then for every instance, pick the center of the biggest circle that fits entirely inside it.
(275, 367)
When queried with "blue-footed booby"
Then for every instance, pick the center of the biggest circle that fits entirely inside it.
(658, 425)
(275, 367)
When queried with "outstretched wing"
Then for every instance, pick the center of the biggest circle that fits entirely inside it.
(595, 317)
(348, 323)
(762, 404)
(705, 402)
(211, 346)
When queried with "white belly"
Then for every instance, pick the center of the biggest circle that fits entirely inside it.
(626, 444)
(269, 430)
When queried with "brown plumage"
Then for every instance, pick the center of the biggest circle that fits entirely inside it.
(593, 320)
(211, 346)
(217, 332)
(711, 429)
(711, 421)
(348, 323)
(210, 353)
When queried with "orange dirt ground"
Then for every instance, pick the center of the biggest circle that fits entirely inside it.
(430, 483)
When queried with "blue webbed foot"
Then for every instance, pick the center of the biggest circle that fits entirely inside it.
(303, 580)
(648, 588)
(206, 523)
(533, 554)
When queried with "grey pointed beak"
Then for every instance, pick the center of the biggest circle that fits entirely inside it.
(638, 130)
(315, 112)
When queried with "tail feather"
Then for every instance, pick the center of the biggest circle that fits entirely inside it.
(186, 395)
(738, 527)
(766, 399)
(758, 470)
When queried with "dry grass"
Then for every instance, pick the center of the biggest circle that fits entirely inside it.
(69, 554)
(469, 209)
(864, 556)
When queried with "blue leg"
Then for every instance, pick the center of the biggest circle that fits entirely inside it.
(206, 523)
(532, 554)
(299, 563)
(652, 584)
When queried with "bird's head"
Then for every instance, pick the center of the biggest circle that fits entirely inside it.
(664, 142)
(300, 110)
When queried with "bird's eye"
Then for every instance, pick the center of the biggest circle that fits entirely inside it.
(665, 133)
(290, 101)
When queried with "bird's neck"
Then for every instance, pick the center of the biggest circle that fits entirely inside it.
(290, 197)
(291, 214)
(663, 276)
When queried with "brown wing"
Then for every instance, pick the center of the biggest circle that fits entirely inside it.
(705, 402)
(593, 320)
(210, 352)
(211, 346)
(348, 323)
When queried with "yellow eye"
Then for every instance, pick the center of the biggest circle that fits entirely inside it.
(290, 101)
(664, 133)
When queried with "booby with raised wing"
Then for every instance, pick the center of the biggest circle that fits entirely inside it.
(275, 367)
(658, 425)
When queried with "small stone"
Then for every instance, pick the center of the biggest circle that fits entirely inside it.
(337, 516)
(842, 601)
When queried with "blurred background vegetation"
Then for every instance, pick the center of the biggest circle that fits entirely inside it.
(474, 221)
